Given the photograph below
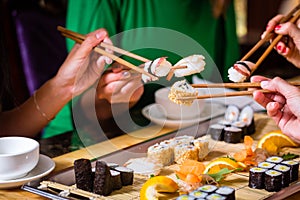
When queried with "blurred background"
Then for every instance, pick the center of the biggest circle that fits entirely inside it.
(36, 49)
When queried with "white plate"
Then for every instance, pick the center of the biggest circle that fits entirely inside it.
(43, 168)
(154, 114)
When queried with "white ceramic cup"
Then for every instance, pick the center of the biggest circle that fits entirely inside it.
(18, 156)
(176, 111)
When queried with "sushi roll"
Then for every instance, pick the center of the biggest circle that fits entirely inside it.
(198, 194)
(182, 89)
(227, 192)
(247, 116)
(232, 113)
(184, 139)
(240, 71)
(159, 67)
(257, 177)
(266, 165)
(294, 172)
(241, 125)
(208, 188)
(83, 174)
(285, 170)
(273, 180)
(215, 196)
(183, 152)
(185, 197)
(202, 146)
(274, 159)
(232, 134)
(216, 132)
(102, 180)
(116, 180)
(126, 175)
(112, 165)
(162, 153)
(194, 64)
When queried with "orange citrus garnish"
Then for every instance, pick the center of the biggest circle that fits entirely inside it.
(153, 186)
(273, 141)
(220, 163)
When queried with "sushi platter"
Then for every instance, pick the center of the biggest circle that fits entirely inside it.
(239, 181)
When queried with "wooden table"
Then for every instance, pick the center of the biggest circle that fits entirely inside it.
(263, 125)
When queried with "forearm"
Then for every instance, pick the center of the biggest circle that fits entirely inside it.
(27, 119)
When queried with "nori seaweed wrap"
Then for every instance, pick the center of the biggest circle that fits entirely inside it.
(83, 174)
(216, 131)
(257, 177)
(274, 159)
(285, 170)
(232, 134)
(102, 181)
(294, 165)
(273, 180)
(126, 175)
(227, 192)
(116, 179)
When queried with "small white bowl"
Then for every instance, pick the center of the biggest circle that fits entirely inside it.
(176, 111)
(18, 156)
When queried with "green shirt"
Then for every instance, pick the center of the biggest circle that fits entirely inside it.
(156, 28)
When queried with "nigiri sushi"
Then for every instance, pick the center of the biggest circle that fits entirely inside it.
(194, 64)
(240, 71)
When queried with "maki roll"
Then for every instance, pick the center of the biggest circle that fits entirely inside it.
(215, 196)
(83, 174)
(208, 188)
(274, 159)
(112, 165)
(273, 180)
(241, 125)
(198, 194)
(257, 177)
(183, 152)
(285, 170)
(266, 165)
(216, 131)
(294, 165)
(116, 180)
(227, 192)
(126, 175)
(232, 113)
(102, 181)
(224, 122)
(247, 116)
(232, 134)
(162, 153)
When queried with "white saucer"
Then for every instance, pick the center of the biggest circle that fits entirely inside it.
(154, 114)
(43, 168)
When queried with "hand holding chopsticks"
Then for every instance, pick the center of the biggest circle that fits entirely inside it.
(292, 17)
(79, 38)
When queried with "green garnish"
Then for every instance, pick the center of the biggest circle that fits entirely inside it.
(289, 156)
(221, 174)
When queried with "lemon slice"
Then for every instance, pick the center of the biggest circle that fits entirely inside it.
(273, 141)
(153, 186)
(220, 163)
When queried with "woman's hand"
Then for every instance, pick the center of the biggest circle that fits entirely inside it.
(289, 46)
(83, 66)
(120, 85)
(282, 105)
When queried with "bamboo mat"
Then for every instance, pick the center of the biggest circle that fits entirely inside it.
(238, 180)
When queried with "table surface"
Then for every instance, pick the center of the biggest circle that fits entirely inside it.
(264, 125)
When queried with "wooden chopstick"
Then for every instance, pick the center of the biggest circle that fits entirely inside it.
(236, 85)
(104, 45)
(274, 42)
(113, 57)
(226, 94)
(269, 35)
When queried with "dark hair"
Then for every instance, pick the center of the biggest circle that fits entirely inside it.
(5, 82)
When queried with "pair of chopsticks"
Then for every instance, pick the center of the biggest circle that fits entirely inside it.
(292, 16)
(230, 85)
(79, 38)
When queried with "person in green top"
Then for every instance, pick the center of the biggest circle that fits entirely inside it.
(156, 28)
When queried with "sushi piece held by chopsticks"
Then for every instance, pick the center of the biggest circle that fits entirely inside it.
(240, 71)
